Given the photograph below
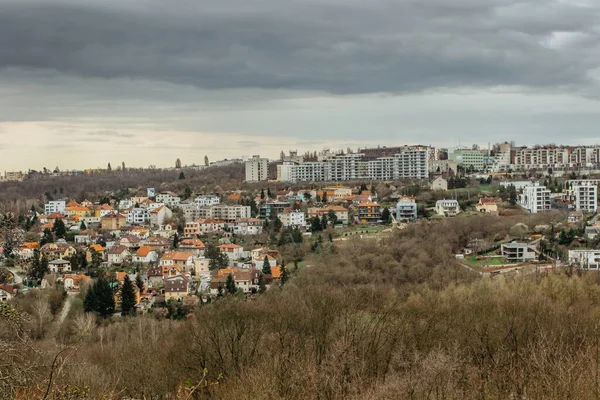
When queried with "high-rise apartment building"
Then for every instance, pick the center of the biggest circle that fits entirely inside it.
(256, 169)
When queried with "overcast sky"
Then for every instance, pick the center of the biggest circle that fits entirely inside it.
(84, 83)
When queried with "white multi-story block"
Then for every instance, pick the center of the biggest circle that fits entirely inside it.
(535, 199)
(256, 169)
(169, 199)
(586, 259)
(584, 198)
(138, 216)
(207, 200)
(293, 218)
(55, 206)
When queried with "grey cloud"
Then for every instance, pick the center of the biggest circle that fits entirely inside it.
(248, 143)
(334, 46)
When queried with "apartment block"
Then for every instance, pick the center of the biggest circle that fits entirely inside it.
(584, 198)
(542, 157)
(535, 199)
(468, 158)
(55, 206)
(293, 218)
(256, 169)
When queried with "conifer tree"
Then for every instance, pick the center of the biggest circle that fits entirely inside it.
(262, 285)
(230, 285)
(127, 297)
(266, 268)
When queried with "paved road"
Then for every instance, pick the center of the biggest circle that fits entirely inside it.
(15, 271)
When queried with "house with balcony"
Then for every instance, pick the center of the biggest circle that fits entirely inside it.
(447, 208)
(369, 212)
(406, 209)
(516, 253)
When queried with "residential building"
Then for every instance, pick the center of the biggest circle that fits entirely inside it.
(113, 222)
(271, 209)
(541, 157)
(447, 208)
(57, 206)
(584, 198)
(145, 255)
(207, 200)
(59, 266)
(234, 252)
(442, 167)
(515, 253)
(535, 199)
(487, 205)
(159, 215)
(369, 212)
(439, 183)
(118, 254)
(406, 209)
(256, 169)
(176, 287)
(229, 213)
(203, 226)
(192, 245)
(182, 259)
(468, 158)
(247, 226)
(586, 259)
(293, 218)
(75, 281)
(138, 216)
(168, 198)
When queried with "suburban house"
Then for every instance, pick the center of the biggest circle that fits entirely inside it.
(487, 205)
(145, 255)
(130, 241)
(369, 211)
(447, 208)
(113, 222)
(158, 215)
(592, 232)
(182, 259)
(234, 252)
(258, 257)
(586, 259)
(59, 266)
(60, 249)
(203, 226)
(340, 212)
(515, 253)
(176, 287)
(193, 245)
(406, 209)
(75, 281)
(118, 254)
(26, 251)
(168, 198)
(246, 226)
(439, 183)
(94, 248)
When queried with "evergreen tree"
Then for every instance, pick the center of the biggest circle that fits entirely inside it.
(59, 229)
(90, 303)
(297, 235)
(262, 284)
(82, 226)
(512, 195)
(108, 167)
(386, 216)
(206, 160)
(230, 285)
(181, 175)
(127, 297)
(123, 166)
(269, 193)
(105, 301)
(266, 268)
(284, 274)
(83, 260)
(324, 221)
(175, 240)
(96, 258)
(277, 224)
(178, 163)
(187, 193)
(332, 216)
(139, 283)
(262, 194)
(315, 224)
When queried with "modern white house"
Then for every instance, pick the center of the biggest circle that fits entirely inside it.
(406, 209)
(447, 208)
(586, 259)
(138, 216)
(518, 252)
(168, 198)
(535, 199)
(55, 206)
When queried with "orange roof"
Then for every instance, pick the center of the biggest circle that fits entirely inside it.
(193, 242)
(157, 209)
(31, 245)
(334, 208)
(177, 256)
(276, 272)
(77, 278)
(120, 276)
(229, 246)
(106, 207)
(72, 203)
(368, 204)
(487, 200)
(226, 271)
(234, 196)
(143, 251)
(97, 248)
(78, 208)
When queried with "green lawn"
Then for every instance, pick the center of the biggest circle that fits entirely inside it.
(492, 261)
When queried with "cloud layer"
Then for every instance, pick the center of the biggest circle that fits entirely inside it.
(327, 72)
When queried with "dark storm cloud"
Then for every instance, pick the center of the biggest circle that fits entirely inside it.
(340, 47)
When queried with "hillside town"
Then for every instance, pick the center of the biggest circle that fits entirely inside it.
(189, 248)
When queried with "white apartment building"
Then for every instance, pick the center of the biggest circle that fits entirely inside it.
(468, 158)
(138, 216)
(256, 169)
(586, 259)
(585, 156)
(55, 206)
(552, 157)
(230, 213)
(293, 218)
(584, 198)
(207, 200)
(502, 159)
(535, 199)
(448, 208)
(125, 204)
(168, 198)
